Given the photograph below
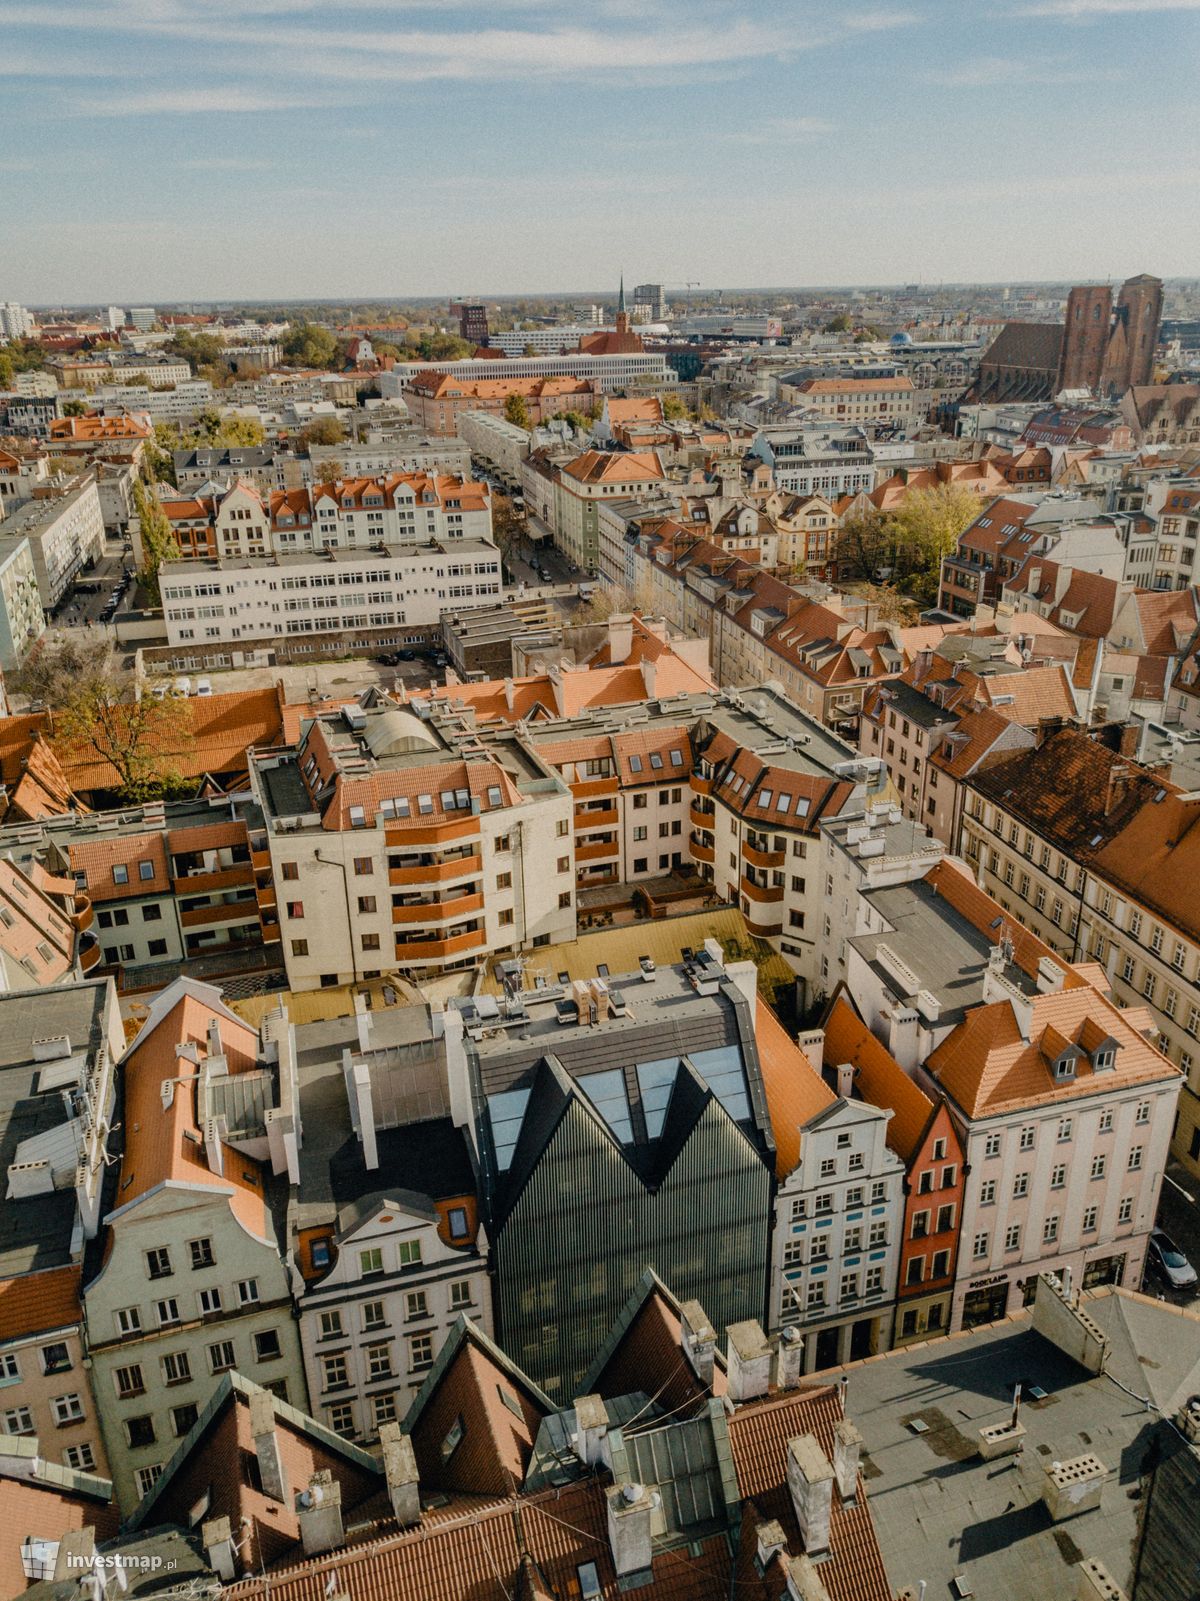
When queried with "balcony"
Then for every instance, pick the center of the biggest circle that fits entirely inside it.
(89, 956)
(761, 858)
(206, 883)
(82, 916)
(602, 817)
(593, 788)
(260, 861)
(266, 896)
(765, 929)
(701, 817)
(434, 950)
(223, 912)
(700, 851)
(597, 850)
(436, 872)
(466, 827)
(761, 892)
(438, 911)
(700, 786)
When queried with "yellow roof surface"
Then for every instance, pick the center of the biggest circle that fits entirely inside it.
(321, 1006)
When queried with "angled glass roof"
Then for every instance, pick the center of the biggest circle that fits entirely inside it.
(722, 1070)
(606, 1091)
(655, 1080)
(507, 1112)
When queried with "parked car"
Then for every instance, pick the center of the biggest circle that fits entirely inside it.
(182, 686)
(406, 655)
(204, 686)
(1168, 1260)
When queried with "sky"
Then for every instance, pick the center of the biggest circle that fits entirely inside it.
(167, 150)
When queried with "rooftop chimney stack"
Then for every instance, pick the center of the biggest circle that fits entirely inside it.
(699, 1341)
(845, 1080)
(749, 1361)
(266, 1445)
(810, 1481)
(803, 1581)
(591, 1429)
(789, 1358)
(403, 1480)
(769, 1541)
(219, 1549)
(847, 1452)
(319, 1510)
(630, 1512)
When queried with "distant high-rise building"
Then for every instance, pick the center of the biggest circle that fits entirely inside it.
(115, 317)
(472, 321)
(15, 321)
(650, 302)
(143, 318)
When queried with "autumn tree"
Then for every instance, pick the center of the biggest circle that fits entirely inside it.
(507, 527)
(673, 408)
(888, 605)
(516, 411)
(92, 704)
(158, 540)
(927, 524)
(323, 431)
(306, 345)
(7, 370)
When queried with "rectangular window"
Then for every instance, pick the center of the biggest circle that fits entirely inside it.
(166, 1312)
(330, 1324)
(183, 1418)
(408, 1252)
(1012, 1237)
(158, 1263)
(981, 1245)
(460, 1294)
(80, 1457)
(1135, 1158)
(420, 1350)
(334, 1374)
(221, 1356)
(379, 1362)
(1020, 1185)
(201, 1252)
(176, 1368)
(56, 1358)
(991, 1146)
(1125, 1211)
(210, 1301)
(266, 1346)
(1027, 1137)
(140, 1430)
(67, 1409)
(1050, 1230)
(370, 1261)
(373, 1315)
(247, 1292)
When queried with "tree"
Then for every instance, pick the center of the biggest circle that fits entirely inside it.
(673, 408)
(516, 411)
(890, 606)
(92, 704)
(158, 461)
(74, 408)
(840, 324)
(507, 527)
(306, 345)
(927, 525)
(7, 370)
(158, 540)
(863, 546)
(323, 431)
(200, 349)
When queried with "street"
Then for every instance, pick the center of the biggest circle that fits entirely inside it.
(1179, 1215)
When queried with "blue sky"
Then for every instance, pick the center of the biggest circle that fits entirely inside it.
(200, 149)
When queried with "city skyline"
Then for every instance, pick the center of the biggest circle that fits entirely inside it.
(671, 134)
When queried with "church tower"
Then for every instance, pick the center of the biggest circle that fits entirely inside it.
(622, 314)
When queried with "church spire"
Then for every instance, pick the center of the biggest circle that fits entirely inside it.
(621, 296)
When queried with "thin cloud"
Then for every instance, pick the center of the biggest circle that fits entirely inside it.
(782, 130)
(227, 99)
(1070, 10)
(227, 164)
(986, 70)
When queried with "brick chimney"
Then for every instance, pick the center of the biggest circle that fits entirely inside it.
(847, 1452)
(266, 1445)
(319, 1510)
(810, 1481)
(403, 1480)
(1119, 775)
(630, 1512)
(804, 1583)
(699, 1341)
(749, 1371)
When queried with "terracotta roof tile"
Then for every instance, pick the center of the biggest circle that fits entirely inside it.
(880, 1079)
(37, 1302)
(795, 1090)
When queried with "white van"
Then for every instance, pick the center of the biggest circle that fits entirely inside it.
(182, 686)
(204, 686)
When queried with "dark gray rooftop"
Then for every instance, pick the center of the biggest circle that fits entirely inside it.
(947, 954)
(940, 1510)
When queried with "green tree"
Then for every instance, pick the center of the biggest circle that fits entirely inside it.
(92, 702)
(7, 370)
(158, 540)
(74, 408)
(530, 349)
(26, 355)
(507, 527)
(516, 411)
(840, 324)
(199, 349)
(673, 408)
(890, 606)
(306, 345)
(926, 528)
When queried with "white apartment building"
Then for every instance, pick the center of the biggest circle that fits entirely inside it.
(256, 597)
(545, 341)
(22, 621)
(143, 318)
(609, 371)
(15, 321)
(408, 453)
(817, 461)
(495, 439)
(65, 532)
(180, 403)
(391, 848)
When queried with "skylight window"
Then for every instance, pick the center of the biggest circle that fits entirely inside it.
(764, 797)
(722, 1070)
(655, 1080)
(506, 1109)
(606, 1091)
(676, 758)
(782, 804)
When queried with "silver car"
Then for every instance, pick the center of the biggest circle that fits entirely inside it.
(1170, 1261)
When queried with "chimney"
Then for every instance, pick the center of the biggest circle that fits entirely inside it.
(769, 1541)
(630, 1511)
(1118, 783)
(1189, 1419)
(509, 697)
(591, 1429)
(266, 1445)
(749, 1371)
(1065, 1326)
(1073, 1486)
(803, 1581)
(1050, 976)
(789, 1358)
(362, 1018)
(810, 1481)
(403, 1481)
(319, 1509)
(1093, 1582)
(76, 1552)
(364, 1106)
(699, 1341)
(620, 637)
(847, 1450)
(215, 1128)
(845, 1079)
(219, 1548)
